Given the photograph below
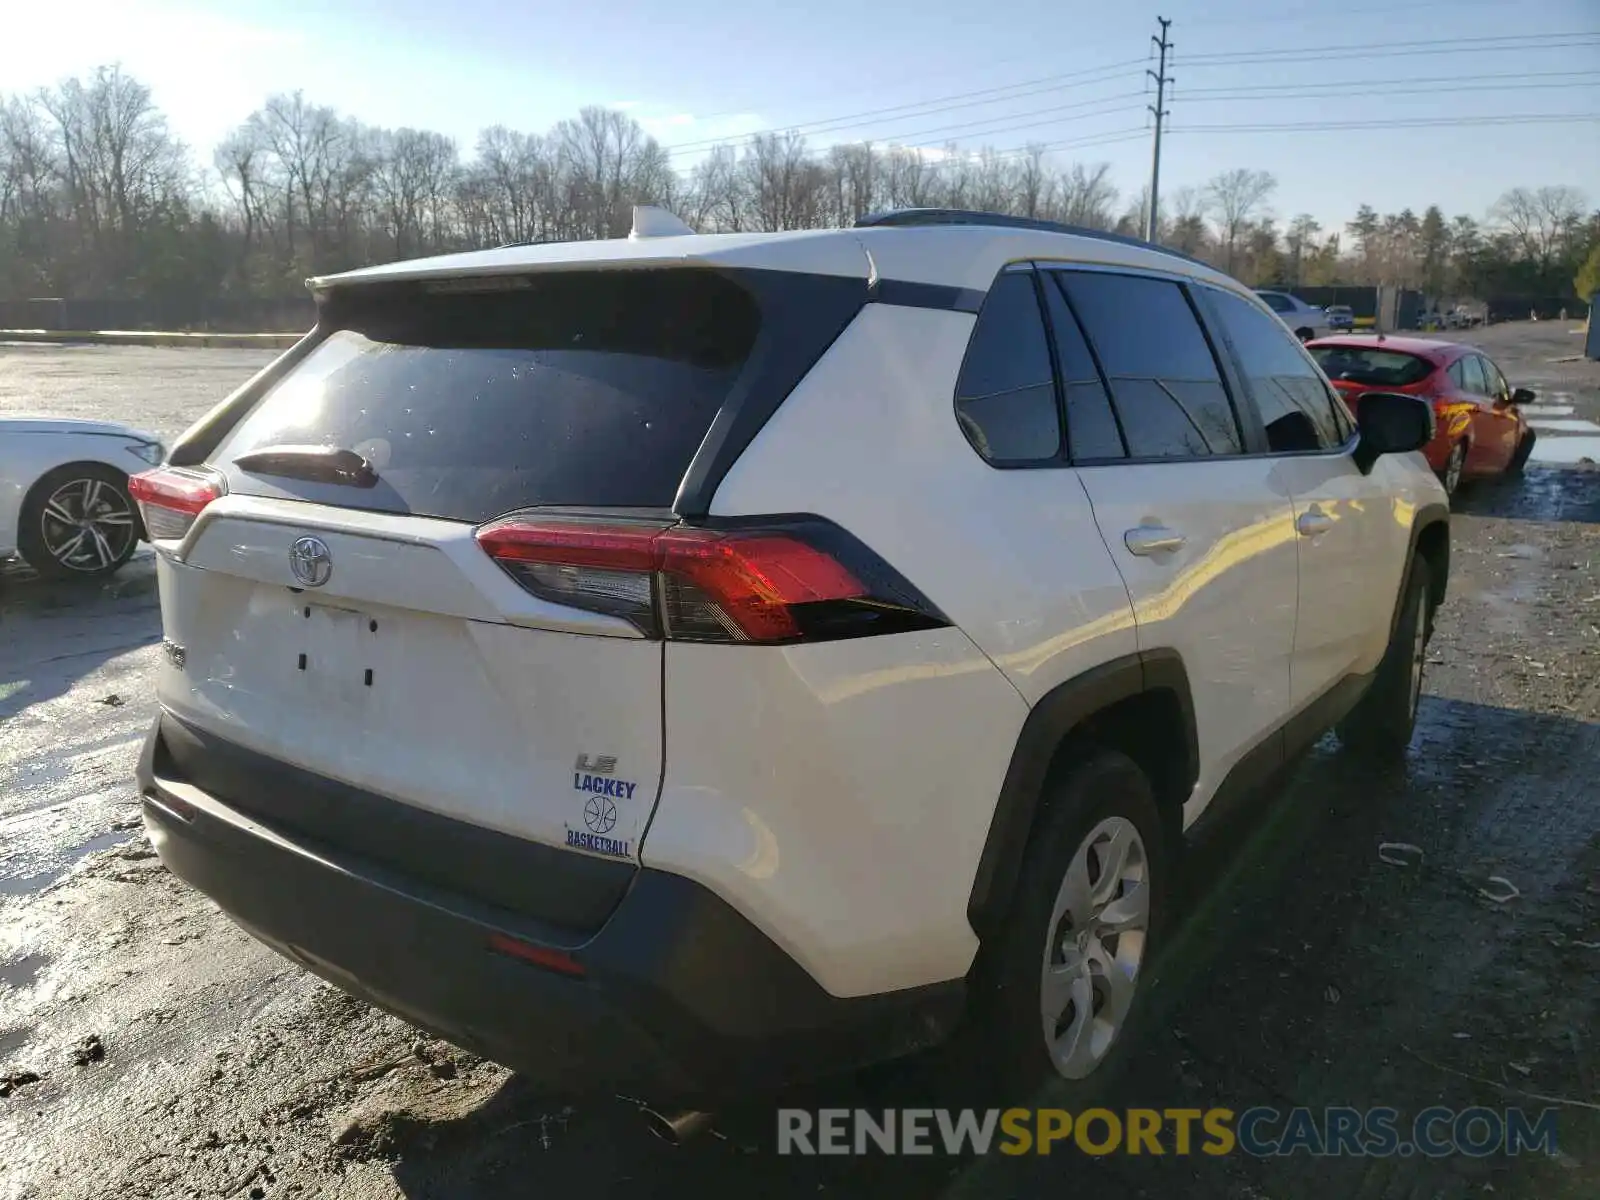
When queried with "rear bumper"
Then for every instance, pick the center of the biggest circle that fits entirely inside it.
(680, 999)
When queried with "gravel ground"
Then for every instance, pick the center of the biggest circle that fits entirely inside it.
(176, 1057)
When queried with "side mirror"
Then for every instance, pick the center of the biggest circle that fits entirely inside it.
(1524, 396)
(1391, 423)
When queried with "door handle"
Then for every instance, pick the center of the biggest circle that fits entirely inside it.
(1152, 539)
(1313, 521)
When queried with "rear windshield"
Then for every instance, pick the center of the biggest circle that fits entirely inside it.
(590, 389)
(1371, 367)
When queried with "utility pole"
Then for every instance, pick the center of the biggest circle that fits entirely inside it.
(1159, 109)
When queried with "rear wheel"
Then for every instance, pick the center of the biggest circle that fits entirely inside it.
(1453, 467)
(1065, 986)
(78, 522)
(1381, 725)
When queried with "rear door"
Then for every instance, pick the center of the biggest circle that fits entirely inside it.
(1202, 531)
(1484, 454)
(1351, 539)
(1501, 426)
(349, 621)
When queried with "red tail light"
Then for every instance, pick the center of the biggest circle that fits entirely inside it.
(170, 498)
(773, 582)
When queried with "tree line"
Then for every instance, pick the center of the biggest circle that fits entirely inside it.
(98, 198)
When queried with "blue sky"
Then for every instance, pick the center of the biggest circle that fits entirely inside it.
(695, 70)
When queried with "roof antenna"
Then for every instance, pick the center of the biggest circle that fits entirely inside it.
(649, 221)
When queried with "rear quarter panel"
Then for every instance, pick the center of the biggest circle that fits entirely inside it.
(840, 794)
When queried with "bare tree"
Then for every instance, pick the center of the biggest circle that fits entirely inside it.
(121, 169)
(1236, 198)
(1086, 195)
(1543, 220)
(716, 196)
(512, 177)
(608, 164)
(1300, 235)
(783, 183)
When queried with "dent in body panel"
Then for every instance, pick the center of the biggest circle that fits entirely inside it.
(839, 795)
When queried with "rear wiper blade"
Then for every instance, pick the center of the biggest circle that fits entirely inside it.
(317, 464)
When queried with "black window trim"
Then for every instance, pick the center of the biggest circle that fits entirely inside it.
(1248, 421)
(1345, 449)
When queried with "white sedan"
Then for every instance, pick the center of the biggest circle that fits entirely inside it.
(64, 504)
(1305, 321)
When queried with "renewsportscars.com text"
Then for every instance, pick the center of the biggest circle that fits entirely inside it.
(1261, 1131)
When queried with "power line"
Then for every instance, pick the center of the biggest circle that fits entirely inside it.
(1077, 79)
(963, 70)
(1573, 41)
(1397, 123)
(1343, 86)
(1112, 138)
(1430, 90)
(1105, 112)
(924, 107)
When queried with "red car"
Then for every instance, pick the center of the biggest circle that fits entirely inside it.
(1481, 432)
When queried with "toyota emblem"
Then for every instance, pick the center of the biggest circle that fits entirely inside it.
(311, 561)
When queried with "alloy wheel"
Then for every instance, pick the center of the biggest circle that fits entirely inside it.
(1095, 946)
(87, 525)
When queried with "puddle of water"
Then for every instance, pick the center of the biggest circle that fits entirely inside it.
(12, 1041)
(1573, 426)
(25, 885)
(1566, 449)
(23, 971)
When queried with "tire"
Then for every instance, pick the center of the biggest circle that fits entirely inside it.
(1381, 724)
(1102, 801)
(1453, 467)
(59, 540)
(1305, 335)
(1524, 450)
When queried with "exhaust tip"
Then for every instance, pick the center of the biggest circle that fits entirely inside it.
(676, 1128)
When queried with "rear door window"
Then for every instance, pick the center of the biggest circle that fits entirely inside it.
(590, 390)
(1496, 382)
(1165, 382)
(1006, 394)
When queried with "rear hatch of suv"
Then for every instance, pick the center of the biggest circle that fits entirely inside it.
(354, 604)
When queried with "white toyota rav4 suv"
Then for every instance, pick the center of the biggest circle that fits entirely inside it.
(682, 665)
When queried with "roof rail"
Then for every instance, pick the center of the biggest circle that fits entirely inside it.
(910, 217)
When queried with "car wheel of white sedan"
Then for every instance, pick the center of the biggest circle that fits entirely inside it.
(78, 522)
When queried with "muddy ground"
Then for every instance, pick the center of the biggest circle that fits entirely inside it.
(175, 1057)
